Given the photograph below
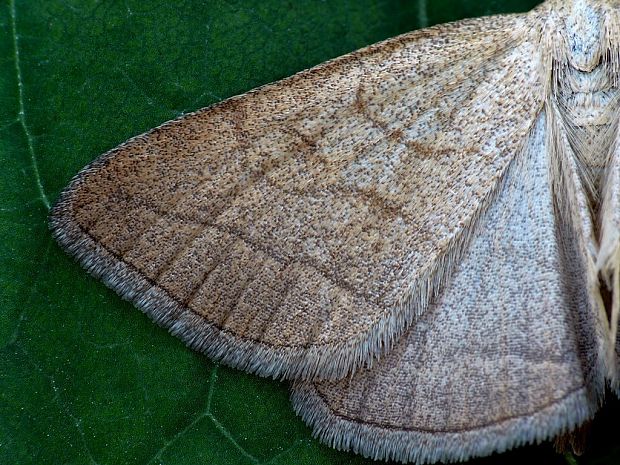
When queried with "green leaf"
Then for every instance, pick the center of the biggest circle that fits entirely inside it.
(85, 377)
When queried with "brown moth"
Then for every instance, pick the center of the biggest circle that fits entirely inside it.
(423, 234)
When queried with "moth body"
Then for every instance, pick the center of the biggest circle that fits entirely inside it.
(585, 33)
(586, 86)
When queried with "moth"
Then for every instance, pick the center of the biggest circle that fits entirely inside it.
(424, 234)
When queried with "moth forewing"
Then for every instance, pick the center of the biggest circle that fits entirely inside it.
(303, 251)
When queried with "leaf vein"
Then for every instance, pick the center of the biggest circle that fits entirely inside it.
(422, 13)
(30, 288)
(157, 455)
(62, 406)
(212, 380)
(232, 440)
(21, 113)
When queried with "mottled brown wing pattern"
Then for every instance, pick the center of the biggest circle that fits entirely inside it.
(297, 230)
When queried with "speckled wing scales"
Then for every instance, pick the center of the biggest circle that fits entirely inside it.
(608, 260)
(298, 229)
(507, 354)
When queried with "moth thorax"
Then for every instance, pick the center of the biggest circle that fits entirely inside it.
(588, 103)
(585, 34)
(586, 87)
